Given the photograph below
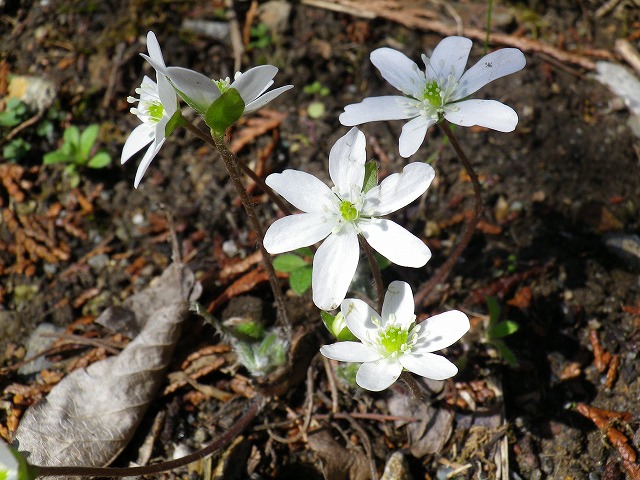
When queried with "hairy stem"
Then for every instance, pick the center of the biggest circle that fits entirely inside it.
(245, 168)
(236, 429)
(428, 288)
(231, 164)
(375, 270)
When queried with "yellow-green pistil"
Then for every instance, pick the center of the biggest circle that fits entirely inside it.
(156, 110)
(432, 93)
(393, 338)
(348, 211)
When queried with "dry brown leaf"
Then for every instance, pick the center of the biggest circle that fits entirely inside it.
(91, 415)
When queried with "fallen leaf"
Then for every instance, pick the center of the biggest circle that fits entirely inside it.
(90, 416)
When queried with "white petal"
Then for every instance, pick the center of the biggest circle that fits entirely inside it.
(413, 134)
(354, 352)
(334, 265)
(346, 162)
(302, 190)
(373, 109)
(153, 150)
(196, 89)
(153, 48)
(254, 81)
(262, 100)
(398, 190)
(376, 376)
(441, 330)
(490, 67)
(296, 231)
(399, 301)
(449, 57)
(428, 365)
(486, 113)
(167, 95)
(394, 242)
(358, 316)
(140, 137)
(399, 70)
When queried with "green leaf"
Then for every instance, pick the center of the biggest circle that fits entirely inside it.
(300, 279)
(251, 330)
(100, 160)
(494, 309)
(288, 262)
(223, 113)
(337, 326)
(87, 140)
(383, 262)
(505, 352)
(72, 136)
(370, 176)
(304, 252)
(56, 156)
(503, 329)
(16, 149)
(176, 120)
(8, 119)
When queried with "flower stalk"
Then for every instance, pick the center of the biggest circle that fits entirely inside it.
(231, 165)
(428, 288)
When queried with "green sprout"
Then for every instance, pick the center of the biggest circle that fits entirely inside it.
(497, 330)
(76, 150)
(316, 109)
(299, 268)
(260, 37)
(14, 113)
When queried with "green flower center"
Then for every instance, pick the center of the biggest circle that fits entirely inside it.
(349, 211)
(156, 110)
(393, 338)
(432, 94)
(223, 85)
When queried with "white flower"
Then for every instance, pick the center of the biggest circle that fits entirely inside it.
(199, 91)
(157, 103)
(340, 213)
(392, 341)
(9, 465)
(439, 91)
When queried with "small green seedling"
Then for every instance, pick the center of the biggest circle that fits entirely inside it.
(14, 113)
(16, 149)
(299, 268)
(76, 150)
(316, 109)
(497, 330)
(260, 37)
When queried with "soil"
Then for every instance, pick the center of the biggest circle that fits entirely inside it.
(558, 192)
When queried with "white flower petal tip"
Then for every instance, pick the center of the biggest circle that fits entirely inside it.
(396, 339)
(157, 103)
(437, 92)
(9, 466)
(344, 211)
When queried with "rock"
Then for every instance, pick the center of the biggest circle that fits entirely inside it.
(396, 468)
(275, 15)
(39, 341)
(216, 30)
(38, 93)
(625, 246)
(626, 85)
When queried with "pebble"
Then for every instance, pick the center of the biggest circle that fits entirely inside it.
(396, 468)
(626, 246)
(39, 341)
(626, 85)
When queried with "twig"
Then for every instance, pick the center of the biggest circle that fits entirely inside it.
(236, 429)
(332, 384)
(443, 272)
(366, 442)
(385, 10)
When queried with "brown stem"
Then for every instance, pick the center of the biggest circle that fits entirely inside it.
(375, 269)
(231, 164)
(428, 288)
(245, 168)
(236, 429)
(410, 382)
